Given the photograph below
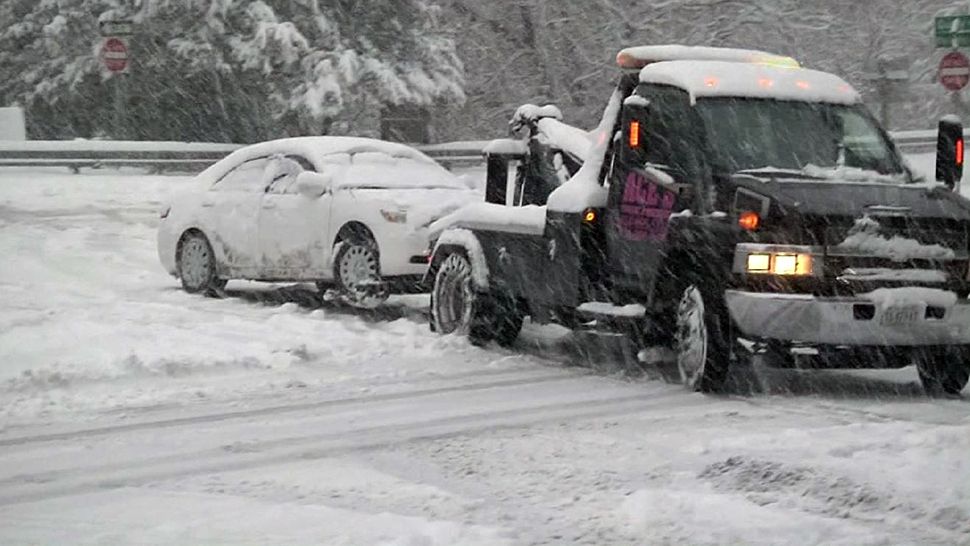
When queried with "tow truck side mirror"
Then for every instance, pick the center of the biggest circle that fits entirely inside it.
(949, 152)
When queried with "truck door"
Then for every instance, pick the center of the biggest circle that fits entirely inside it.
(653, 167)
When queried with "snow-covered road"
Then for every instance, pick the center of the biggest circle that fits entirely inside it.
(132, 413)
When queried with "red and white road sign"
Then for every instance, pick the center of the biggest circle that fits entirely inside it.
(114, 54)
(954, 71)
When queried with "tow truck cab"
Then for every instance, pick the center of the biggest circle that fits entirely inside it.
(727, 195)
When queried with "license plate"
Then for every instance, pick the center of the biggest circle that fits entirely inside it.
(900, 315)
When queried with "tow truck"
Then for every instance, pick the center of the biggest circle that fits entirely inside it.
(730, 204)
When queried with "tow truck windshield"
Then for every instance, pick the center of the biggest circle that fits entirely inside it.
(816, 140)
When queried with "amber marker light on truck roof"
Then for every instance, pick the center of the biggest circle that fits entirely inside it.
(625, 60)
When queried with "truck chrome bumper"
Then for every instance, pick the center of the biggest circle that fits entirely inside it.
(885, 317)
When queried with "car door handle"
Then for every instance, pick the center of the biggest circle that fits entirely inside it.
(208, 203)
(269, 205)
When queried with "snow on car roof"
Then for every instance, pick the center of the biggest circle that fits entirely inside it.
(640, 56)
(732, 79)
(319, 150)
(315, 148)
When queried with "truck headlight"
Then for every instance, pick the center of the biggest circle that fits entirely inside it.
(787, 260)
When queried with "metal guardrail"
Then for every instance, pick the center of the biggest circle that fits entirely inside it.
(195, 156)
(78, 154)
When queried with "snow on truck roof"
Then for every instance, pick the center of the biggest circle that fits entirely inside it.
(753, 80)
(641, 56)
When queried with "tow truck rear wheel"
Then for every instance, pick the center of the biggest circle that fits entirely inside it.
(944, 370)
(702, 342)
(458, 307)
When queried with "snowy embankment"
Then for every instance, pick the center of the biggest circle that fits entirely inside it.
(86, 302)
(135, 413)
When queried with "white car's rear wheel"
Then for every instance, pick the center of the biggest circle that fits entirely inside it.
(196, 264)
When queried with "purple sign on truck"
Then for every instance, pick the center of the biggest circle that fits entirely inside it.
(645, 209)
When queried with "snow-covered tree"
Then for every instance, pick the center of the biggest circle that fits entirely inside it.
(562, 51)
(227, 69)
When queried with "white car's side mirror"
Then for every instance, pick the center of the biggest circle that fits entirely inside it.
(312, 185)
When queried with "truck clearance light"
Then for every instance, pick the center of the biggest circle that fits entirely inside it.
(589, 216)
(634, 134)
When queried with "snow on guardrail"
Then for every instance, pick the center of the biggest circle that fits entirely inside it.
(75, 154)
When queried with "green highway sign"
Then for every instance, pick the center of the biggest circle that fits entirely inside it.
(952, 31)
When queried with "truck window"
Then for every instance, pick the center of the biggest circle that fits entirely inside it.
(863, 146)
(746, 133)
(672, 133)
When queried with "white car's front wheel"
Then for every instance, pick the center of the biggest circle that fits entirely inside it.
(358, 273)
(196, 264)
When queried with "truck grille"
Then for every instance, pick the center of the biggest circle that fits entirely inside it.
(902, 240)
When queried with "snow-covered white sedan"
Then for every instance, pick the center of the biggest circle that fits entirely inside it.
(351, 213)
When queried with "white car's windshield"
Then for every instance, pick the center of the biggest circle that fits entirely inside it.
(380, 171)
(749, 134)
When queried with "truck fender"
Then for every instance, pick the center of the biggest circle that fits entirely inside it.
(459, 240)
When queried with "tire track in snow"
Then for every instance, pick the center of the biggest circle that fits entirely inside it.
(847, 414)
(42, 486)
(87, 433)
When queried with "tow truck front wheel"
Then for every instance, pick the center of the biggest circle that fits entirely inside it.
(457, 307)
(702, 342)
(944, 370)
